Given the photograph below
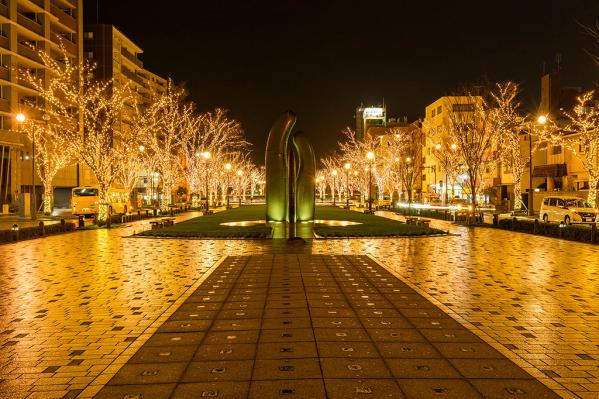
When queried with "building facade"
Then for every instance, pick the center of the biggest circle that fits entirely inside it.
(27, 26)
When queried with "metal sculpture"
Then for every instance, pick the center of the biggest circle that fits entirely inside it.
(290, 173)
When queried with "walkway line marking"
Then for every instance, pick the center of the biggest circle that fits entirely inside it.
(102, 379)
(520, 362)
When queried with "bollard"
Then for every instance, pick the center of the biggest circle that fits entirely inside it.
(155, 212)
(63, 225)
(514, 221)
(81, 221)
(138, 215)
(15, 232)
(594, 232)
(42, 228)
(495, 219)
(535, 226)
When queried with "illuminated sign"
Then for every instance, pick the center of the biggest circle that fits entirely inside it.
(374, 112)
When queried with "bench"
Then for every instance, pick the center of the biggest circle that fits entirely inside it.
(423, 222)
(411, 220)
(156, 224)
(168, 221)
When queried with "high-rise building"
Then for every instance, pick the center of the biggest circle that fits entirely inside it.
(366, 117)
(27, 25)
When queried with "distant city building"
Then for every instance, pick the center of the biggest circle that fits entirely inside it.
(371, 116)
(27, 25)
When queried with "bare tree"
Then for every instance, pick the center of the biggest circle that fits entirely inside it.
(404, 152)
(581, 137)
(87, 110)
(52, 153)
(473, 129)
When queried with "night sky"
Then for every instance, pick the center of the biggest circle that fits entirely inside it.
(322, 59)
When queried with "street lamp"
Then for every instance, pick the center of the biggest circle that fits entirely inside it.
(240, 173)
(542, 119)
(21, 118)
(206, 155)
(334, 173)
(347, 167)
(370, 157)
(228, 167)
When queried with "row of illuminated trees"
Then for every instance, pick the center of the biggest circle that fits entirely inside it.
(483, 128)
(103, 125)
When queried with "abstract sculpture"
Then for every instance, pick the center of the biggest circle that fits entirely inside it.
(290, 173)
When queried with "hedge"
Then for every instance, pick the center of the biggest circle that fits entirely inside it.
(26, 233)
(582, 233)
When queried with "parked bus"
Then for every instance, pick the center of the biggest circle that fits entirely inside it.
(85, 200)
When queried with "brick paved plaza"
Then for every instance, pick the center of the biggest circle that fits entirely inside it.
(76, 309)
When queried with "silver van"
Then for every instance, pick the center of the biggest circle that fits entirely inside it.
(567, 209)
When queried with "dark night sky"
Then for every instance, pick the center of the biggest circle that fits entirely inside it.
(323, 58)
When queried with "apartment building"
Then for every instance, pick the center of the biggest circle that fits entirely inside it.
(117, 57)
(26, 25)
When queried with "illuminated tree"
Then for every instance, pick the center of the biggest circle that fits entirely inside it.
(160, 127)
(52, 153)
(403, 150)
(86, 109)
(510, 129)
(473, 128)
(581, 136)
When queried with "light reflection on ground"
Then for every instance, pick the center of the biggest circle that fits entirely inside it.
(336, 223)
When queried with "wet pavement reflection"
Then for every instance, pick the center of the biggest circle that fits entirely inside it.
(71, 304)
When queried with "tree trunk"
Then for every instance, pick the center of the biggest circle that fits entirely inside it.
(103, 203)
(48, 199)
(592, 196)
(518, 194)
(166, 199)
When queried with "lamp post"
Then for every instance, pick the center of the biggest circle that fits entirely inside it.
(227, 170)
(370, 157)
(206, 155)
(334, 173)
(240, 174)
(21, 118)
(347, 167)
(542, 119)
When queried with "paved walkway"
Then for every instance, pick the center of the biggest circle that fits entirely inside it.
(72, 305)
(315, 326)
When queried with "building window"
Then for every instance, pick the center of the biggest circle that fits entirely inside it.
(89, 55)
(4, 30)
(462, 107)
(4, 92)
(5, 122)
(423, 177)
(556, 149)
(439, 110)
(433, 113)
(88, 35)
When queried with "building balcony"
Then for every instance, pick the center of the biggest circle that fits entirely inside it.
(30, 24)
(68, 45)
(4, 10)
(4, 105)
(63, 17)
(131, 57)
(4, 42)
(133, 76)
(28, 52)
(39, 3)
(4, 73)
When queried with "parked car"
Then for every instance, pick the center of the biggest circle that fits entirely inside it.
(460, 205)
(567, 210)
(435, 202)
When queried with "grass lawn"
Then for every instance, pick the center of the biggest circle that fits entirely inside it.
(372, 226)
(209, 225)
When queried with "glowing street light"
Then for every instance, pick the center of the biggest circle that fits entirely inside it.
(206, 155)
(334, 173)
(454, 146)
(228, 167)
(370, 156)
(347, 167)
(438, 146)
(542, 119)
(21, 118)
